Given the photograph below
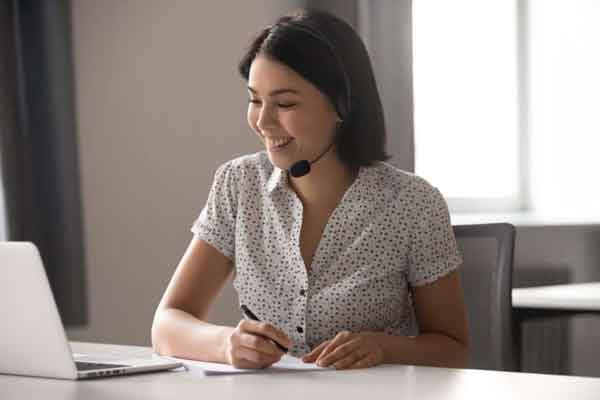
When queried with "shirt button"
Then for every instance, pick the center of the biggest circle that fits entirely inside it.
(299, 329)
(302, 292)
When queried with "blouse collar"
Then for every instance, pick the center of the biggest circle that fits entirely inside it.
(279, 179)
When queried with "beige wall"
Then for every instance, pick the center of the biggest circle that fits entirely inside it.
(160, 106)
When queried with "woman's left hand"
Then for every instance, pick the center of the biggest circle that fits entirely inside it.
(348, 350)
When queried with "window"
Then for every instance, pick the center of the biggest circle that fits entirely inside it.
(564, 83)
(506, 96)
(466, 97)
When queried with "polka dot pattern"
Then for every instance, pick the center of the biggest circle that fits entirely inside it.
(390, 232)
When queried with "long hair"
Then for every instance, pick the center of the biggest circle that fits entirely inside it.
(328, 53)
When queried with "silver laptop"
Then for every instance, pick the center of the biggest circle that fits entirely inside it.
(32, 338)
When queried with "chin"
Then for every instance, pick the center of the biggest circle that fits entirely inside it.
(278, 161)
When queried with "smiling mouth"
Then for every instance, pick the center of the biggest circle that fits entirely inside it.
(278, 143)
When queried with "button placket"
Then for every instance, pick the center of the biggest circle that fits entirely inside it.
(302, 299)
(302, 275)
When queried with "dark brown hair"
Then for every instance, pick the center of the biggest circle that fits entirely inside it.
(329, 54)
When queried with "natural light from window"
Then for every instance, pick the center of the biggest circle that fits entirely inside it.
(466, 101)
(565, 101)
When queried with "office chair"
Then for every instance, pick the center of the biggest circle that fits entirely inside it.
(486, 276)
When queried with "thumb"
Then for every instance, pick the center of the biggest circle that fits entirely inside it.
(314, 354)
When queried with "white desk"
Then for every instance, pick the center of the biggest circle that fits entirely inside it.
(546, 303)
(578, 297)
(383, 382)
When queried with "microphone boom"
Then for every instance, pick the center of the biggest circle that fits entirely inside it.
(302, 167)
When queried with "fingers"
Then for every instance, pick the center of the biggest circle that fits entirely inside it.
(349, 350)
(314, 354)
(366, 362)
(266, 330)
(338, 340)
(346, 354)
(242, 363)
(250, 351)
(344, 361)
(250, 347)
(259, 344)
(256, 358)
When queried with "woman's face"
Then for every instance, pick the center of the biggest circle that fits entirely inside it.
(293, 119)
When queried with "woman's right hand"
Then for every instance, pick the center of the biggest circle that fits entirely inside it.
(251, 345)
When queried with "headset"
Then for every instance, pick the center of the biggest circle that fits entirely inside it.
(302, 167)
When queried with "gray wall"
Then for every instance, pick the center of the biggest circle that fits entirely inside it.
(160, 106)
(2, 213)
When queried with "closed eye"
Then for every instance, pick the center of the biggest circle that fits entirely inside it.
(286, 105)
(280, 105)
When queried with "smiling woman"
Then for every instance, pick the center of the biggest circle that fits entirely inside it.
(290, 115)
(350, 263)
(331, 67)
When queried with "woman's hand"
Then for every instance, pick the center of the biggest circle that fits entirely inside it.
(348, 350)
(251, 345)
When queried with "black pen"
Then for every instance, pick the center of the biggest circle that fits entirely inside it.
(250, 314)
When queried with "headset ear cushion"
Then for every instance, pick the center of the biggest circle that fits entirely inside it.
(339, 126)
(344, 121)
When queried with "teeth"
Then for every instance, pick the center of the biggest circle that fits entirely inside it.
(278, 142)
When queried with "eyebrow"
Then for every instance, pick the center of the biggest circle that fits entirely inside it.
(276, 92)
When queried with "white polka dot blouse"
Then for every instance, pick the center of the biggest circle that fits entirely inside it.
(390, 232)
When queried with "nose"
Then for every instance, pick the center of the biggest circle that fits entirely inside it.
(266, 118)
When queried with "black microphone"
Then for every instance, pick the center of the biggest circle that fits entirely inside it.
(302, 167)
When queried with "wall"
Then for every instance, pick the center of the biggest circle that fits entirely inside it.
(3, 234)
(160, 106)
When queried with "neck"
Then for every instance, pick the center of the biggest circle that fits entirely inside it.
(326, 183)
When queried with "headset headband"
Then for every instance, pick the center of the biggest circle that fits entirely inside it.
(315, 33)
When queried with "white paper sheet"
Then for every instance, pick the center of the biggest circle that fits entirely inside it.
(287, 363)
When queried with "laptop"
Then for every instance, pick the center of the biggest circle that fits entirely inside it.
(32, 338)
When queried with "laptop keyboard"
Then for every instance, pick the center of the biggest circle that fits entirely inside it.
(86, 366)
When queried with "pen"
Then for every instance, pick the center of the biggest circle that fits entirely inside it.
(249, 314)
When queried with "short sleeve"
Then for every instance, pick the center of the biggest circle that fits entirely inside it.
(216, 222)
(433, 251)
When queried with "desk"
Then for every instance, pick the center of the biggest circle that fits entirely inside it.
(383, 382)
(551, 351)
(576, 297)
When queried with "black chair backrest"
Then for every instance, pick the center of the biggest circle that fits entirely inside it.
(486, 276)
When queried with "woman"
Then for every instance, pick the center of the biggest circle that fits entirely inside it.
(348, 261)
